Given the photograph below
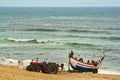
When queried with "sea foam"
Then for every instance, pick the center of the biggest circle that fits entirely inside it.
(14, 62)
(108, 71)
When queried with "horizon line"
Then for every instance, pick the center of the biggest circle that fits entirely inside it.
(59, 6)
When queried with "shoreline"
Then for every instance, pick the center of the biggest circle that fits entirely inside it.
(13, 73)
(14, 63)
(100, 71)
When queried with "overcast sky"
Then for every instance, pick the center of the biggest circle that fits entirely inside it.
(60, 3)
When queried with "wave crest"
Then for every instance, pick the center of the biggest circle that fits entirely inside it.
(51, 42)
(23, 40)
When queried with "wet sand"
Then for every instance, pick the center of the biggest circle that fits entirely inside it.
(12, 73)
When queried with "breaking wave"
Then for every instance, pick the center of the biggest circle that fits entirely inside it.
(22, 40)
(34, 41)
(48, 41)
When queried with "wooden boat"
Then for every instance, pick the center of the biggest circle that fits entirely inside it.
(84, 67)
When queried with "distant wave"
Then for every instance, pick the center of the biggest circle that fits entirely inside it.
(74, 30)
(103, 38)
(64, 17)
(88, 31)
(107, 38)
(79, 44)
(111, 38)
(42, 30)
(86, 46)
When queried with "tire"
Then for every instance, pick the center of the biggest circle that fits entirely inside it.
(33, 68)
(28, 68)
(80, 71)
(52, 69)
(43, 68)
(95, 70)
(36, 68)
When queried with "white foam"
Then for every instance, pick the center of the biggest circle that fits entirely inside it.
(14, 62)
(108, 71)
(18, 39)
(100, 71)
(11, 62)
(27, 62)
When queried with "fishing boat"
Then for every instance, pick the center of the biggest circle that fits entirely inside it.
(85, 67)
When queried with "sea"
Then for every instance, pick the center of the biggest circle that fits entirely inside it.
(27, 33)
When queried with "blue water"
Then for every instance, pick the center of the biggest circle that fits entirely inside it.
(27, 33)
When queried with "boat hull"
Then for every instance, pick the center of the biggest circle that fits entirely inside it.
(80, 66)
(84, 69)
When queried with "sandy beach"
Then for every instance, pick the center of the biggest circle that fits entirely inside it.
(12, 73)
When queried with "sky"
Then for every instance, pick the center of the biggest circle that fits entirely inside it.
(60, 3)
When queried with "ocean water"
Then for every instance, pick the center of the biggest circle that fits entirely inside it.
(27, 33)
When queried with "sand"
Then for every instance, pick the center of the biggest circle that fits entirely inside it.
(12, 73)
